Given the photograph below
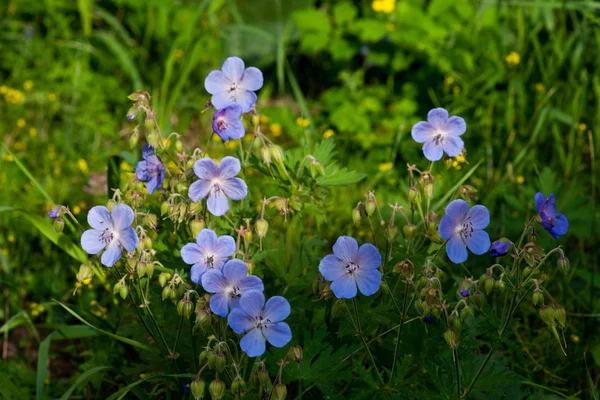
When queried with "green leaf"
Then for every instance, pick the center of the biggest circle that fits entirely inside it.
(370, 30)
(344, 12)
(8, 390)
(122, 56)
(339, 177)
(85, 13)
(123, 392)
(81, 379)
(310, 19)
(593, 390)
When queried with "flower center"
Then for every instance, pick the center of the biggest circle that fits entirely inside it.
(352, 268)
(465, 229)
(210, 261)
(233, 291)
(233, 87)
(261, 323)
(439, 137)
(221, 124)
(108, 235)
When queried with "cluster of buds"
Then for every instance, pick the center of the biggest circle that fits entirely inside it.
(490, 283)
(121, 288)
(173, 286)
(429, 303)
(321, 288)
(203, 313)
(554, 316)
(406, 268)
(185, 306)
(426, 183)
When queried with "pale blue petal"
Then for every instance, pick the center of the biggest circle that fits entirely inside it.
(550, 206)
(253, 343)
(437, 118)
(233, 68)
(453, 145)
(278, 334)
(216, 82)
(277, 309)
(234, 270)
(147, 150)
(206, 168)
(122, 216)
(479, 216)
(219, 302)
(235, 130)
(457, 250)
(455, 126)
(99, 218)
(251, 282)
(197, 271)
(128, 238)
(239, 321)
(368, 257)
(235, 188)
(152, 184)
(218, 203)
(252, 79)
(346, 248)
(192, 254)
(344, 287)
(457, 209)
(213, 281)
(561, 225)
(447, 227)
(141, 171)
(112, 254)
(199, 190)
(332, 267)
(368, 281)
(245, 99)
(478, 242)
(540, 199)
(225, 246)
(91, 241)
(252, 302)
(221, 100)
(228, 167)
(422, 132)
(433, 151)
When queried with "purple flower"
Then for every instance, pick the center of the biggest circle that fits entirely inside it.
(209, 252)
(465, 292)
(110, 231)
(227, 123)
(234, 84)
(151, 169)
(440, 134)
(499, 248)
(556, 224)
(52, 214)
(229, 284)
(218, 183)
(260, 321)
(463, 227)
(350, 266)
(428, 319)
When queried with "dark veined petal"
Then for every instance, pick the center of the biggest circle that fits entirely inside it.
(246, 99)
(478, 242)
(192, 254)
(206, 168)
(235, 188)
(252, 79)
(128, 238)
(437, 118)
(141, 171)
(433, 151)
(234, 270)
(479, 216)
(233, 68)
(278, 334)
(99, 218)
(277, 309)
(152, 184)
(549, 207)
(455, 126)
(453, 145)
(456, 250)
(235, 130)
(332, 267)
(147, 150)
(228, 167)
(346, 248)
(197, 271)
(91, 241)
(199, 190)
(422, 132)
(252, 303)
(253, 343)
(216, 82)
(112, 254)
(122, 216)
(218, 203)
(344, 287)
(213, 281)
(219, 302)
(368, 281)
(368, 257)
(251, 282)
(239, 321)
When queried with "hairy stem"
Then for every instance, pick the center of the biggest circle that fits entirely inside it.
(365, 345)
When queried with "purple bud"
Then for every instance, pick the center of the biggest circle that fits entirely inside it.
(428, 319)
(465, 292)
(499, 249)
(54, 213)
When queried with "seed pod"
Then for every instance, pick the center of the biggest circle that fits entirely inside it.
(488, 286)
(478, 299)
(295, 353)
(164, 208)
(197, 388)
(564, 265)
(451, 338)
(123, 292)
(413, 194)
(163, 278)
(178, 145)
(166, 293)
(196, 226)
(277, 154)
(265, 154)
(370, 205)
(216, 389)
(261, 227)
(409, 231)
(141, 269)
(547, 315)
(538, 299)
(356, 216)
(248, 236)
(280, 391)
(212, 360)
(263, 377)
(58, 224)
(561, 316)
(220, 362)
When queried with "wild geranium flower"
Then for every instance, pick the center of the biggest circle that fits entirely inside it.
(350, 266)
(218, 183)
(229, 284)
(556, 224)
(440, 134)
(227, 123)
(110, 231)
(463, 227)
(209, 252)
(499, 248)
(53, 214)
(151, 169)
(260, 322)
(234, 84)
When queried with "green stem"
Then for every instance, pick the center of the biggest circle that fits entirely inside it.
(358, 328)
(178, 334)
(402, 317)
(457, 371)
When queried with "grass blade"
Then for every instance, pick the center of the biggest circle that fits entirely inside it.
(81, 379)
(450, 192)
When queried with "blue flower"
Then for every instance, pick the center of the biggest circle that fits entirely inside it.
(229, 284)
(110, 231)
(260, 321)
(465, 292)
(350, 266)
(227, 123)
(209, 252)
(556, 224)
(234, 84)
(218, 183)
(428, 319)
(463, 227)
(53, 214)
(440, 134)
(499, 248)
(151, 169)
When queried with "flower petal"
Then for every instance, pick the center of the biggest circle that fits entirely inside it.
(223, 99)
(479, 216)
(218, 203)
(549, 208)
(192, 254)
(277, 309)
(225, 246)
(433, 151)
(219, 303)
(368, 281)
(128, 238)
(234, 270)
(251, 282)
(437, 118)
(478, 242)
(112, 254)
(199, 190)
(91, 241)
(147, 150)
(447, 227)
(422, 132)
(455, 126)
(235, 130)
(213, 281)
(233, 68)
(141, 171)
(344, 287)
(453, 145)
(368, 257)
(152, 185)
(253, 343)
(122, 216)
(457, 209)
(206, 169)
(332, 267)
(99, 218)
(561, 225)
(278, 334)
(346, 248)
(252, 79)
(246, 99)
(197, 271)
(540, 199)
(228, 167)
(456, 250)
(216, 82)
(239, 321)
(252, 302)
(235, 188)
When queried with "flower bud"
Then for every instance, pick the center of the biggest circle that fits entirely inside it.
(356, 216)
(465, 313)
(465, 287)
(248, 236)
(167, 292)
(455, 323)
(133, 140)
(123, 292)
(178, 145)
(180, 306)
(216, 389)
(261, 227)
(197, 389)
(150, 220)
(547, 315)
(163, 278)
(564, 265)
(164, 208)
(406, 268)
(152, 136)
(250, 266)
(132, 113)
(370, 204)
(440, 275)
(85, 272)
(561, 316)
(499, 248)
(141, 269)
(419, 306)
(195, 208)
(499, 285)
(211, 360)
(392, 231)
(263, 378)
(409, 231)
(220, 362)
(196, 226)
(488, 286)
(147, 243)
(526, 272)
(277, 154)
(428, 190)
(467, 192)
(295, 353)
(110, 204)
(478, 299)
(451, 338)
(255, 120)
(149, 269)
(58, 224)
(413, 194)
(280, 391)
(265, 154)
(538, 298)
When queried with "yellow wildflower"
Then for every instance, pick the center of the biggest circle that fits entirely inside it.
(76, 210)
(83, 166)
(449, 80)
(263, 119)
(21, 123)
(33, 132)
(386, 166)
(386, 6)
(28, 85)
(275, 129)
(328, 133)
(232, 144)
(52, 96)
(171, 165)
(125, 166)
(575, 338)
(513, 59)
(302, 122)
(14, 96)
(582, 127)
(11, 238)
(8, 157)
(520, 179)
(179, 54)
(3, 89)
(539, 87)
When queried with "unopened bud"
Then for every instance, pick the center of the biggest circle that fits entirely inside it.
(132, 113)
(152, 137)
(110, 204)
(356, 216)
(133, 140)
(488, 286)
(123, 292)
(178, 145)
(561, 316)
(149, 269)
(406, 268)
(428, 190)
(85, 272)
(220, 362)
(211, 360)
(451, 338)
(197, 388)
(180, 306)
(467, 192)
(248, 236)
(265, 154)
(147, 243)
(296, 353)
(255, 120)
(413, 194)
(547, 315)
(280, 391)
(216, 389)
(141, 269)
(392, 231)
(58, 224)
(370, 204)
(564, 265)
(164, 208)
(263, 377)
(261, 227)
(478, 299)
(167, 292)
(538, 299)
(196, 226)
(277, 154)
(163, 278)
(526, 272)
(250, 266)
(409, 231)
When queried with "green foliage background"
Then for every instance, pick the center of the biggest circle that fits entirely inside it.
(368, 77)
